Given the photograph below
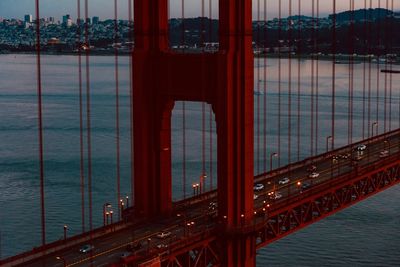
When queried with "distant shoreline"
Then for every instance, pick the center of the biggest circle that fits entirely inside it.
(339, 58)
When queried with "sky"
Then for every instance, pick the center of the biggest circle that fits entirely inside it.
(105, 8)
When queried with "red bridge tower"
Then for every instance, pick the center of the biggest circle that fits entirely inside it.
(162, 77)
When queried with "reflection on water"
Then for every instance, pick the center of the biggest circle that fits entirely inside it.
(345, 234)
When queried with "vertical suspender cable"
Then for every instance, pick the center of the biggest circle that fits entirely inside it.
(290, 88)
(258, 88)
(40, 122)
(299, 50)
(333, 73)
(210, 111)
(369, 67)
(391, 66)
(377, 70)
(88, 121)
(312, 80)
(118, 178)
(203, 106)
(183, 110)
(317, 79)
(364, 68)
(81, 145)
(385, 111)
(279, 81)
(130, 34)
(265, 88)
(351, 70)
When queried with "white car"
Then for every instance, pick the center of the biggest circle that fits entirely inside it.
(284, 181)
(162, 246)
(361, 147)
(255, 196)
(163, 235)
(276, 195)
(384, 154)
(258, 187)
(313, 175)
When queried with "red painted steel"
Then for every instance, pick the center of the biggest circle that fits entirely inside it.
(162, 77)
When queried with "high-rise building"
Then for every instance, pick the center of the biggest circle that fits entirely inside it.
(65, 19)
(51, 20)
(28, 18)
(95, 20)
(88, 20)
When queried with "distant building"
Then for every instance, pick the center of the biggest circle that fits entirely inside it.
(80, 21)
(65, 19)
(51, 20)
(28, 18)
(88, 20)
(95, 20)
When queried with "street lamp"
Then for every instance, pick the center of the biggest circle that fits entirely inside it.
(111, 216)
(65, 232)
(195, 189)
(374, 125)
(107, 214)
(62, 259)
(127, 201)
(202, 178)
(270, 159)
(105, 205)
(327, 141)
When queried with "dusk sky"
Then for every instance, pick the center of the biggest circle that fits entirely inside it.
(104, 8)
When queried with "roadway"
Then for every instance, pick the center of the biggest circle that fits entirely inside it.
(112, 247)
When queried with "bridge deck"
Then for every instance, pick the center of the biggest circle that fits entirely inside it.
(353, 177)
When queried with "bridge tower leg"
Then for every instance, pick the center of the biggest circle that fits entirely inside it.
(161, 77)
(235, 122)
(152, 130)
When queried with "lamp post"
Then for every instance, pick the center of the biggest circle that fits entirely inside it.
(195, 189)
(65, 232)
(374, 125)
(148, 244)
(62, 259)
(105, 205)
(298, 185)
(270, 159)
(202, 178)
(107, 215)
(111, 217)
(327, 141)
(127, 201)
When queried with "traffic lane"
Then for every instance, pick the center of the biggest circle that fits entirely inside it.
(330, 173)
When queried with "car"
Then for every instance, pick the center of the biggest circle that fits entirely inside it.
(258, 187)
(312, 168)
(86, 248)
(162, 246)
(163, 235)
(276, 196)
(361, 147)
(384, 154)
(305, 186)
(255, 196)
(271, 193)
(212, 206)
(285, 180)
(313, 175)
(345, 156)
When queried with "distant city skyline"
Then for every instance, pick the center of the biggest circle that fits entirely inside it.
(104, 8)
